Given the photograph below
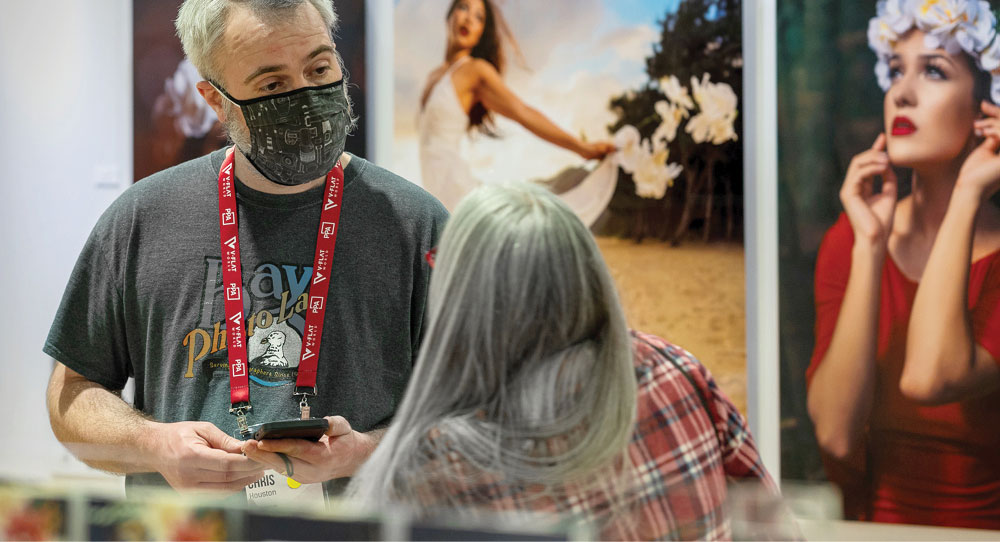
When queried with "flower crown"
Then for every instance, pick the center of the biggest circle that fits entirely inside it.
(955, 25)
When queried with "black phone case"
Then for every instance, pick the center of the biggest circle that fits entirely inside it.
(308, 429)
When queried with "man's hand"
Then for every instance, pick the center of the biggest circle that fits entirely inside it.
(199, 456)
(337, 454)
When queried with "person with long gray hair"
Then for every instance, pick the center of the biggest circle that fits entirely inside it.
(530, 394)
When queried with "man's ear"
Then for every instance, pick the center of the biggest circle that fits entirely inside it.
(213, 97)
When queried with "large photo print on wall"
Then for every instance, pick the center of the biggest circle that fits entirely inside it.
(890, 256)
(628, 110)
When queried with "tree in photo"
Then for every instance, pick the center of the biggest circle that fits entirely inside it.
(681, 130)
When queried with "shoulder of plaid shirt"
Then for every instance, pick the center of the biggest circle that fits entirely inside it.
(688, 442)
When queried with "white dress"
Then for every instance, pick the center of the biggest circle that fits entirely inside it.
(441, 125)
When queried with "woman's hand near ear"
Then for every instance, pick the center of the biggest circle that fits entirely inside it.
(870, 213)
(981, 171)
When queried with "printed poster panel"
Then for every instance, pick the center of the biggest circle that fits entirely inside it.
(659, 80)
(907, 459)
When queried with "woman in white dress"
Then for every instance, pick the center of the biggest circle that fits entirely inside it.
(464, 93)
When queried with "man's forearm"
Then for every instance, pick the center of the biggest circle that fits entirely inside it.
(96, 425)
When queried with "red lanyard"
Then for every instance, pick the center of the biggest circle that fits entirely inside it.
(232, 280)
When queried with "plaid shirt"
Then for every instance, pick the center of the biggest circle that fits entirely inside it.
(688, 442)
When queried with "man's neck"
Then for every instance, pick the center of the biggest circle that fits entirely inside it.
(248, 175)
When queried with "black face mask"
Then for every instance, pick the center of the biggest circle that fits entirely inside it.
(296, 136)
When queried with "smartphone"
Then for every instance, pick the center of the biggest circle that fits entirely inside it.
(308, 429)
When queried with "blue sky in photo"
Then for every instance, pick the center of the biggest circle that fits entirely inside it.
(578, 54)
(641, 11)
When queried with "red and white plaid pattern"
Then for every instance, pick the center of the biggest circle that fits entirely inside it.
(682, 457)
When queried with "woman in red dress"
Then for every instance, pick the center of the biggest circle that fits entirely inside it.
(904, 383)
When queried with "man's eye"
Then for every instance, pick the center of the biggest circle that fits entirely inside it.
(322, 70)
(271, 87)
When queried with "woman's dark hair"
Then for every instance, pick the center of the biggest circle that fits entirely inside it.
(491, 49)
(982, 81)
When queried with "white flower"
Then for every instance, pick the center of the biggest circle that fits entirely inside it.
(896, 14)
(880, 37)
(974, 34)
(675, 92)
(192, 115)
(952, 25)
(990, 59)
(671, 115)
(882, 74)
(893, 20)
(714, 122)
(628, 140)
(654, 175)
(660, 152)
(942, 16)
(955, 25)
(983, 26)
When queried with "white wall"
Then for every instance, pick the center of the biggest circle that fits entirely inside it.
(379, 52)
(65, 154)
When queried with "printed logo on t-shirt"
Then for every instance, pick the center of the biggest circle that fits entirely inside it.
(274, 305)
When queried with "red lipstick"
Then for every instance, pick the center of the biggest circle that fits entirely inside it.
(903, 126)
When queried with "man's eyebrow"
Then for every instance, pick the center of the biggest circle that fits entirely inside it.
(261, 71)
(269, 69)
(320, 50)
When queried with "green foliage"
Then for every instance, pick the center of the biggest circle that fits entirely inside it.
(702, 36)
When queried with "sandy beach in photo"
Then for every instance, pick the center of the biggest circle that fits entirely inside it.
(692, 295)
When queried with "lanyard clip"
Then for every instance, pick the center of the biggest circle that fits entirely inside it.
(304, 407)
(303, 392)
(240, 411)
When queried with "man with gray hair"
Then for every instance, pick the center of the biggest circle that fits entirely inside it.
(190, 271)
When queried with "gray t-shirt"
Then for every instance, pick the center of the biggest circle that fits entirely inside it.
(145, 298)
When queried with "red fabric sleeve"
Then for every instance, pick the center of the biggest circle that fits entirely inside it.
(833, 268)
(986, 307)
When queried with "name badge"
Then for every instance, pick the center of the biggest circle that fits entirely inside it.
(278, 489)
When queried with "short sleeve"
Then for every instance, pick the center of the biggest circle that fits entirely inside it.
(694, 383)
(986, 307)
(429, 235)
(833, 269)
(740, 457)
(88, 332)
